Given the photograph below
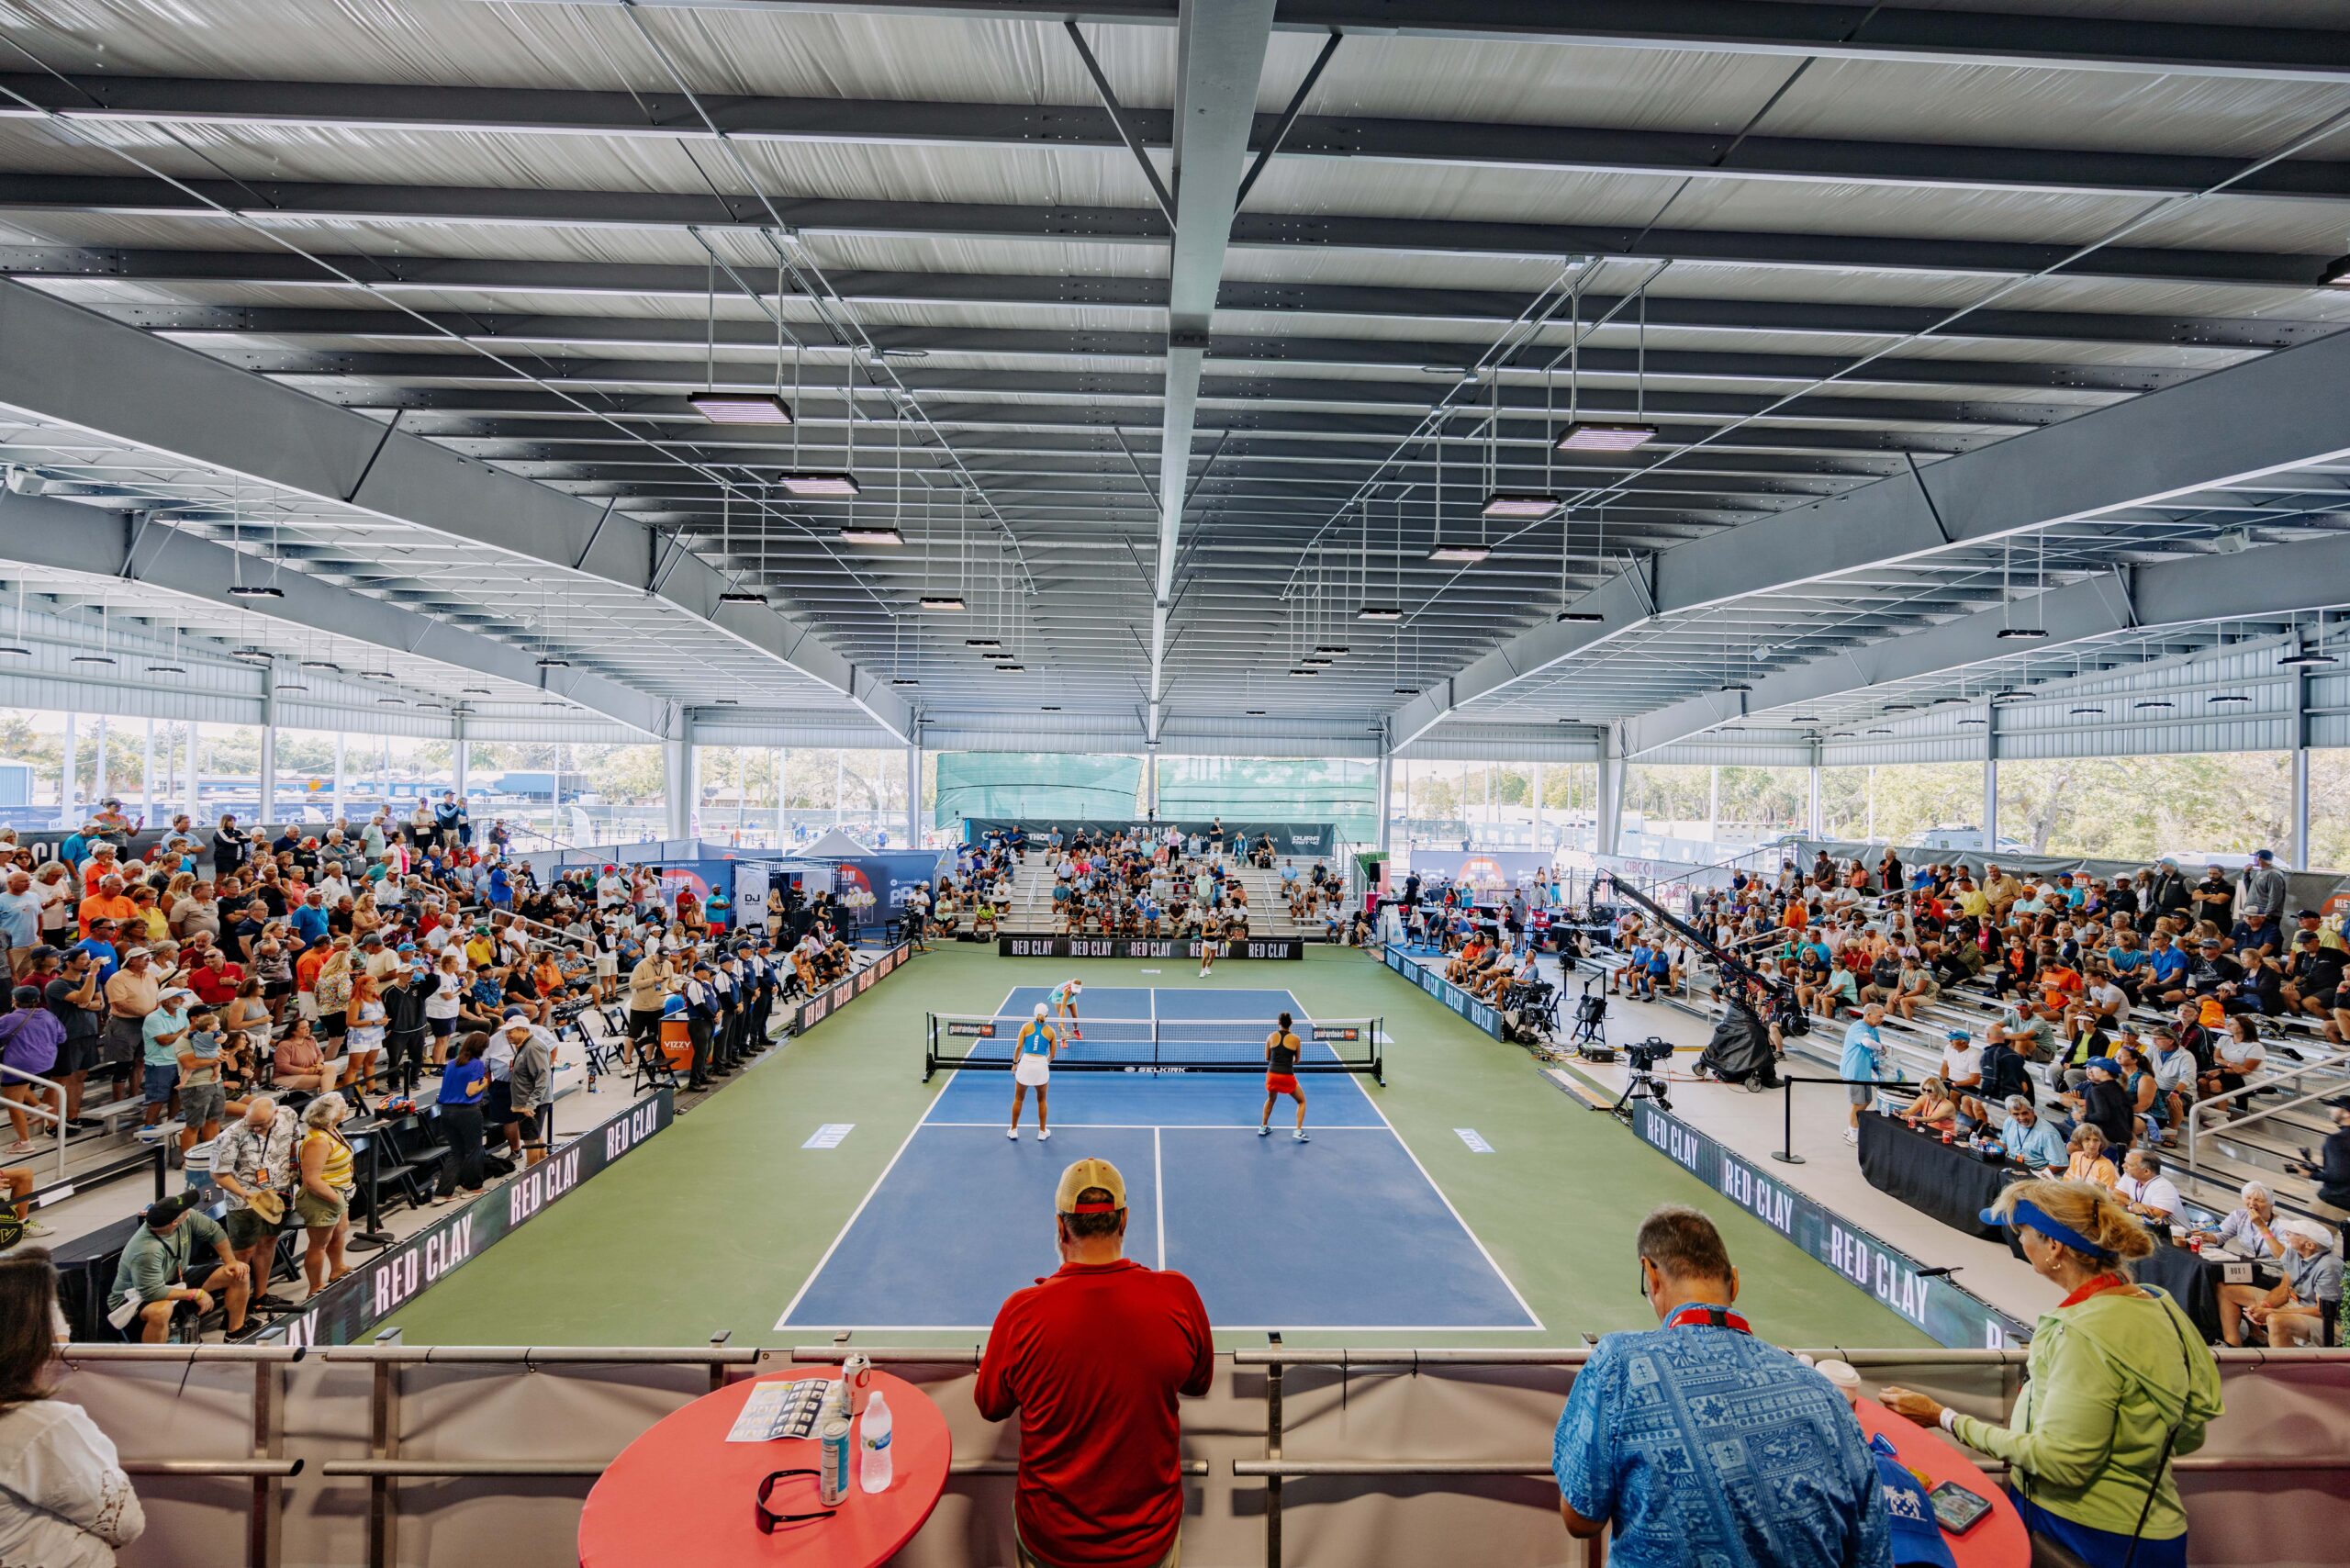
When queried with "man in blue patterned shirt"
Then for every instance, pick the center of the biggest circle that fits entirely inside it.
(1701, 1445)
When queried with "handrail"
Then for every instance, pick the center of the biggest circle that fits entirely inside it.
(56, 1118)
(2195, 1117)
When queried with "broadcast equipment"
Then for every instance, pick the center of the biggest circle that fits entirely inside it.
(1775, 997)
(1644, 1081)
(1590, 1038)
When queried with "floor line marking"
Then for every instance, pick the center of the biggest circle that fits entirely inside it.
(1446, 1199)
(817, 1273)
(1174, 1126)
(1158, 1193)
(1291, 1327)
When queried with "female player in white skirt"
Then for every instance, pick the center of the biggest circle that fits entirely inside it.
(1032, 1068)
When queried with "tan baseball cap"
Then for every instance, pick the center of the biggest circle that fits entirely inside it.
(1089, 1173)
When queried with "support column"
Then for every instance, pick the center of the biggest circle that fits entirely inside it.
(1713, 802)
(2298, 852)
(678, 788)
(1386, 799)
(1538, 808)
(1150, 780)
(148, 810)
(914, 795)
(267, 809)
(334, 809)
(1814, 817)
(98, 780)
(194, 770)
(1608, 829)
(782, 797)
(1990, 779)
(69, 784)
(460, 756)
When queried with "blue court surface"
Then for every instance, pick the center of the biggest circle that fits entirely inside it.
(1344, 1231)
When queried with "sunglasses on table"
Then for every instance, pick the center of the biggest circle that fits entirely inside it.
(767, 1520)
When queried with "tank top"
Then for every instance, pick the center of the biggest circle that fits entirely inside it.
(1035, 1040)
(336, 1173)
(1285, 1051)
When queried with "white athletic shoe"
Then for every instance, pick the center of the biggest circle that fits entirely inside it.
(1300, 1136)
(1852, 1134)
(35, 1227)
(1263, 1131)
(1044, 1135)
(1204, 974)
(1013, 1135)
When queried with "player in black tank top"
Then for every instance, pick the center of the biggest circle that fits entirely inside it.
(1282, 1049)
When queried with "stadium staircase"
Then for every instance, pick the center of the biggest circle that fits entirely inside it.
(1029, 912)
(2282, 1117)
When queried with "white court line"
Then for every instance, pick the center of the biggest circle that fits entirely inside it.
(906, 1144)
(1169, 1126)
(1159, 1195)
(1292, 1326)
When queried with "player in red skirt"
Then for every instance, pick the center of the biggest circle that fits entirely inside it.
(1281, 1077)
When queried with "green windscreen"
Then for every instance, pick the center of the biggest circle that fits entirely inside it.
(1273, 789)
(1024, 786)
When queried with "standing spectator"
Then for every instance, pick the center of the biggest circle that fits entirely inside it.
(1093, 1359)
(230, 848)
(31, 1039)
(1699, 1443)
(464, 1085)
(2120, 1383)
(1864, 1053)
(323, 1199)
(530, 1086)
(2262, 889)
(71, 992)
(405, 993)
(64, 1500)
(20, 914)
(161, 1031)
(253, 1162)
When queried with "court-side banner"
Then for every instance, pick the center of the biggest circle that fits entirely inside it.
(1957, 1319)
(392, 1278)
(1288, 838)
(832, 998)
(1484, 1015)
(1141, 947)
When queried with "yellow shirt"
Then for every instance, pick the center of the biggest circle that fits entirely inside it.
(336, 1173)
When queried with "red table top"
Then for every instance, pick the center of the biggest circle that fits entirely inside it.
(1998, 1540)
(682, 1493)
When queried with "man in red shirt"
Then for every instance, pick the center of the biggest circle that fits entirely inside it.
(1093, 1358)
(216, 980)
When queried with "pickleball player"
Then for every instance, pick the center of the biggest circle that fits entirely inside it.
(1032, 1068)
(1281, 1077)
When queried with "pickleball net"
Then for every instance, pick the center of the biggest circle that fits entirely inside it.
(978, 1042)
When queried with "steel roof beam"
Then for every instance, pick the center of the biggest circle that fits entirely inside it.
(364, 107)
(2261, 417)
(62, 536)
(1479, 307)
(136, 197)
(64, 364)
(2281, 579)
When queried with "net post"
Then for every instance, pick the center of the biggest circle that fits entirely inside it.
(930, 1045)
(1379, 1052)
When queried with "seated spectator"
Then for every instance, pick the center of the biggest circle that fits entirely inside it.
(1093, 1359)
(2088, 1161)
(1934, 1109)
(1697, 1442)
(2249, 1228)
(2100, 1100)
(2030, 1140)
(2147, 1192)
(2293, 1311)
(64, 1500)
(160, 1268)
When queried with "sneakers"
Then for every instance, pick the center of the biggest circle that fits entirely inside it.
(1262, 1132)
(1852, 1134)
(1300, 1136)
(1013, 1135)
(35, 1227)
(1044, 1135)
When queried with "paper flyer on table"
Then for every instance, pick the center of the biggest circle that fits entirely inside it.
(780, 1410)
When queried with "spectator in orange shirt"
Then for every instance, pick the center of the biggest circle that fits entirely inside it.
(107, 903)
(105, 861)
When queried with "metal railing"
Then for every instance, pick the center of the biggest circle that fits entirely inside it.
(2196, 1117)
(55, 1118)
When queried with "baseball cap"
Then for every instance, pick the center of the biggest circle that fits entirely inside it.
(513, 1012)
(2339, 1103)
(2263, 854)
(1957, 1034)
(1089, 1173)
(2107, 1065)
(1040, 1010)
(2308, 1231)
(130, 953)
(176, 991)
(26, 996)
(162, 1213)
(2307, 914)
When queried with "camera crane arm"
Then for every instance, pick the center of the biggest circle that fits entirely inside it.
(1730, 963)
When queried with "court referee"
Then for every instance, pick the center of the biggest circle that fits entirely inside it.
(1281, 1077)
(1032, 1068)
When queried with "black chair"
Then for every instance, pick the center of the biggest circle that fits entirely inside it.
(409, 1160)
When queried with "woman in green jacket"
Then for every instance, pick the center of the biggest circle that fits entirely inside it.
(2121, 1383)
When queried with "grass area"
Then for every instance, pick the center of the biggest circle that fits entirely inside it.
(717, 1221)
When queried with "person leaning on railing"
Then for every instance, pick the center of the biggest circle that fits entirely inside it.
(2120, 1383)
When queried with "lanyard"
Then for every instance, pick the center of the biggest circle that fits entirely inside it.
(1708, 1317)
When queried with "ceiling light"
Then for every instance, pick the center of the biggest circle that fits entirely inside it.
(2308, 658)
(1966, 721)
(1255, 712)
(168, 669)
(1531, 505)
(1582, 618)
(2078, 712)
(2153, 704)
(814, 484)
(904, 680)
(393, 701)
(549, 661)
(1303, 674)
(283, 686)
(943, 602)
(2230, 697)
(256, 591)
(1315, 660)
(1335, 650)
(2335, 274)
(730, 701)
(322, 664)
(1407, 691)
(1879, 732)
(2011, 633)
(264, 655)
(92, 659)
(905, 354)
(474, 691)
(741, 596)
(1901, 707)
(993, 654)
(982, 643)
(16, 650)
(1467, 554)
(1606, 437)
(888, 536)
(740, 407)
(1804, 719)
(1458, 371)
(1946, 702)
(1379, 613)
(1051, 707)
(1736, 686)
(2012, 691)
(1011, 669)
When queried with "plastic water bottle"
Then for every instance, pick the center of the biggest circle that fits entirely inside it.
(873, 1460)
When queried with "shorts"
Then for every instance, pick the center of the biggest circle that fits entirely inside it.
(1031, 1071)
(158, 1082)
(497, 1103)
(123, 1042)
(79, 1054)
(315, 1211)
(442, 1028)
(273, 991)
(1284, 1083)
(608, 966)
(246, 1229)
(529, 1123)
(202, 1103)
(1863, 1094)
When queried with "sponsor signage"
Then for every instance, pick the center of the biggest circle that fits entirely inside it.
(1484, 1015)
(1311, 839)
(1953, 1317)
(392, 1278)
(835, 997)
(1142, 947)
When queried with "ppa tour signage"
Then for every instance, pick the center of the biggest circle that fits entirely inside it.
(1142, 947)
(397, 1275)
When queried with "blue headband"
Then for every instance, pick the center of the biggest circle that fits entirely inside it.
(2027, 1212)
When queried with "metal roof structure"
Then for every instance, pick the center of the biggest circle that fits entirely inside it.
(1165, 341)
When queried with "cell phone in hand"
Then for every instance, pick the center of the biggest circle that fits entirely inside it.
(1956, 1509)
